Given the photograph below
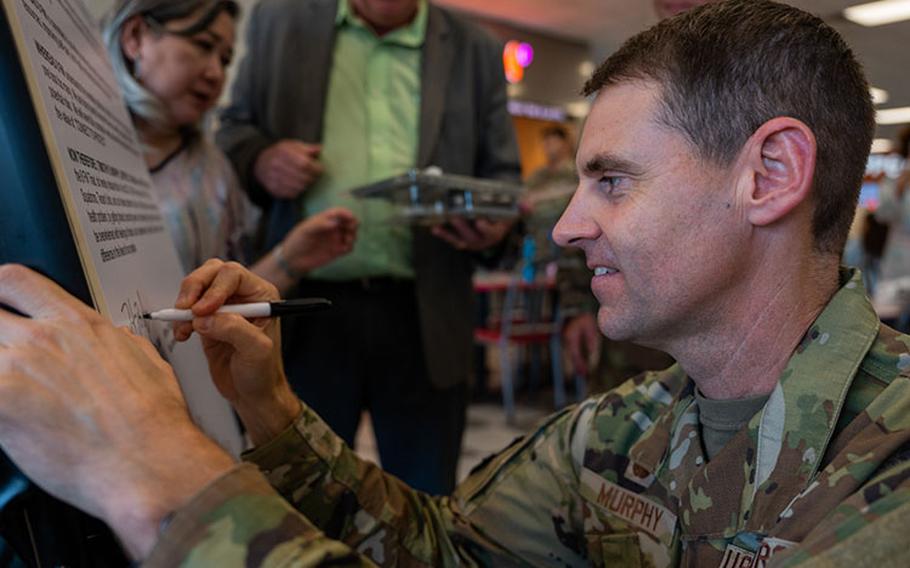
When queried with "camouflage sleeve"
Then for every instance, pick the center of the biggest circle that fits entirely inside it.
(240, 519)
(486, 521)
(868, 529)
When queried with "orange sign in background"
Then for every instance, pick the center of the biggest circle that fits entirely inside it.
(516, 57)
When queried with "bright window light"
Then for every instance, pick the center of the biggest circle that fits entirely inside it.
(881, 146)
(879, 96)
(879, 13)
(899, 115)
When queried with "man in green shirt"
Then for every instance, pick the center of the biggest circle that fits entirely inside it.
(335, 94)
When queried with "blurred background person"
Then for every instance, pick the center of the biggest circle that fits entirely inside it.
(333, 95)
(892, 292)
(868, 234)
(549, 189)
(170, 59)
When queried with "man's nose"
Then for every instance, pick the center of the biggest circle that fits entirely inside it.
(575, 225)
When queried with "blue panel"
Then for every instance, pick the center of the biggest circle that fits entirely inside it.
(33, 226)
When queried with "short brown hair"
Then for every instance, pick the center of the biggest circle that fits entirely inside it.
(726, 68)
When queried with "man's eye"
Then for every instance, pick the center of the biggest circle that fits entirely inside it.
(610, 184)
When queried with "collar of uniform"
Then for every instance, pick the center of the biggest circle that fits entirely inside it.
(652, 448)
(767, 464)
(809, 398)
(412, 35)
(814, 384)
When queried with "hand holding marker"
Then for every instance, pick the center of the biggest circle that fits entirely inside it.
(252, 310)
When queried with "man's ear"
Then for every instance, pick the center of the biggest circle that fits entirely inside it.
(780, 157)
(131, 37)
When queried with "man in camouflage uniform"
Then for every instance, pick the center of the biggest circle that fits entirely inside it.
(780, 437)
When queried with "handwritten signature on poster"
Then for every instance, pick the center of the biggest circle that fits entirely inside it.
(159, 333)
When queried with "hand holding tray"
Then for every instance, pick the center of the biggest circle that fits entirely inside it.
(429, 197)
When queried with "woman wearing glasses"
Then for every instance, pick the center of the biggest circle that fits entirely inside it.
(170, 58)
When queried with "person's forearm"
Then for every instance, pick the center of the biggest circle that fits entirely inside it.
(270, 268)
(136, 514)
(266, 419)
(239, 517)
(354, 501)
(325, 480)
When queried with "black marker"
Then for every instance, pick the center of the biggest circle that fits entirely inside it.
(253, 310)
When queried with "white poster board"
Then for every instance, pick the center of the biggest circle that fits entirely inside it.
(127, 255)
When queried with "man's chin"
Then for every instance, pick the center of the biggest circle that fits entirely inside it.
(617, 326)
(614, 326)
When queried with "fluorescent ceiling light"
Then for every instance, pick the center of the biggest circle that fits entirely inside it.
(881, 146)
(879, 96)
(586, 68)
(879, 13)
(898, 115)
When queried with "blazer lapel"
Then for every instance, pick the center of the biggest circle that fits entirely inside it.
(438, 55)
(307, 64)
(311, 63)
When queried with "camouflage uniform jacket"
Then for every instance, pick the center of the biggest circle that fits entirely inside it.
(619, 480)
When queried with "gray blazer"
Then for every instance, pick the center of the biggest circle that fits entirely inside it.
(465, 129)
